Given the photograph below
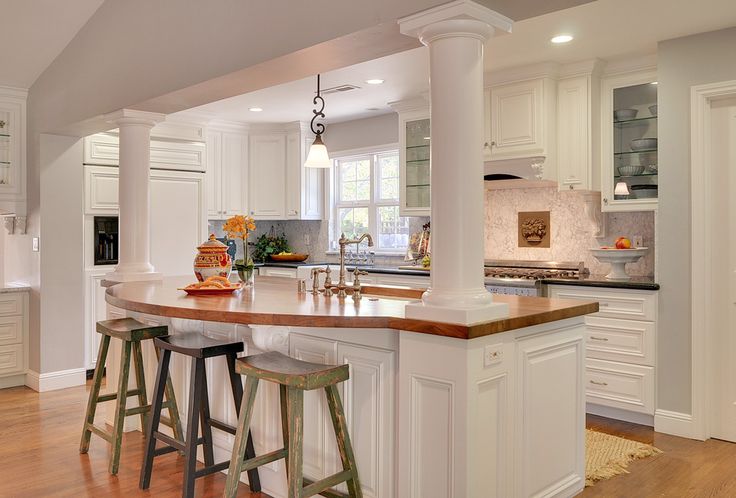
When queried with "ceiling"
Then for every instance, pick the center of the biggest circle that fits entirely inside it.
(34, 32)
(604, 29)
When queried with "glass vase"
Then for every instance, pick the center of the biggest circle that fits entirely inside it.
(246, 274)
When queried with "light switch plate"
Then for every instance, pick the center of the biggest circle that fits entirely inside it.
(492, 355)
(35, 244)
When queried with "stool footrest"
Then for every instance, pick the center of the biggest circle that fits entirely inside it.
(212, 469)
(165, 438)
(112, 396)
(137, 410)
(163, 450)
(223, 426)
(322, 487)
(252, 463)
(100, 432)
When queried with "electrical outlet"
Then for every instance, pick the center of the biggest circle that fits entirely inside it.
(637, 241)
(492, 355)
(35, 244)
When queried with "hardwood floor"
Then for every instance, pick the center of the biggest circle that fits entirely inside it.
(39, 441)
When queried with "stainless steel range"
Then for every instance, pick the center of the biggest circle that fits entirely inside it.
(523, 278)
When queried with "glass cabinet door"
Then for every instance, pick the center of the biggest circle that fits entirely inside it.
(5, 154)
(417, 172)
(635, 164)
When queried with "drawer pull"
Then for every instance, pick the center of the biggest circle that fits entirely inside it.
(599, 383)
(603, 304)
(594, 338)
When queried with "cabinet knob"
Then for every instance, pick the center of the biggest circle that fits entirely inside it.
(572, 187)
(598, 383)
(493, 143)
(252, 213)
(605, 200)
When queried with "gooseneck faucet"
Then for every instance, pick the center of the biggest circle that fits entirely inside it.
(344, 241)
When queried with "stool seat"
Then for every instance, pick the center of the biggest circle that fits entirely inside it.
(196, 345)
(130, 329)
(281, 369)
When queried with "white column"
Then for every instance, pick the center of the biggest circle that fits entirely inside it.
(134, 256)
(455, 33)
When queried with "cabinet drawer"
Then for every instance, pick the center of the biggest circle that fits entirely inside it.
(11, 330)
(628, 341)
(620, 385)
(418, 282)
(11, 359)
(278, 272)
(11, 304)
(614, 303)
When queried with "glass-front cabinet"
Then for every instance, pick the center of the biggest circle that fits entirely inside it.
(414, 153)
(12, 147)
(6, 177)
(630, 166)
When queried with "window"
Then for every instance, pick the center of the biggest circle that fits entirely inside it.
(366, 199)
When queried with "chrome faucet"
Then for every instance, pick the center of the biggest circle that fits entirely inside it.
(344, 241)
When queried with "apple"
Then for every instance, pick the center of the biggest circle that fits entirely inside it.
(623, 243)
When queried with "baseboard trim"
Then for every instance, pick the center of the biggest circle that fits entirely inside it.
(52, 381)
(619, 414)
(674, 423)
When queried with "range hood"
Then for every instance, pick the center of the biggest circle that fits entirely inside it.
(516, 173)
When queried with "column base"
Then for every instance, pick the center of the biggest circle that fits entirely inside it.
(469, 316)
(134, 276)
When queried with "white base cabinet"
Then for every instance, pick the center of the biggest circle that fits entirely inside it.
(13, 338)
(621, 340)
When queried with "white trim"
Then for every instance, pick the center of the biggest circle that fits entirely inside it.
(620, 414)
(674, 423)
(52, 381)
(702, 228)
(361, 151)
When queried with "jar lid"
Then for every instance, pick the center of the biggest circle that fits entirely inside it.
(212, 245)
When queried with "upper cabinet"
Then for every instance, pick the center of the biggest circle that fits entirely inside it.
(267, 182)
(520, 123)
(227, 172)
(12, 150)
(414, 155)
(629, 164)
(305, 187)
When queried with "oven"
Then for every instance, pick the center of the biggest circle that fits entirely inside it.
(524, 278)
(105, 240)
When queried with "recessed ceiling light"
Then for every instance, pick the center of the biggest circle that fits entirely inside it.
(655, 82)
(372, 109)
(255, 109)
(561, 39)
(375, 81)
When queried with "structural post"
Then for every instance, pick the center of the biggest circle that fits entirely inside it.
(134, 255)
(455, 33)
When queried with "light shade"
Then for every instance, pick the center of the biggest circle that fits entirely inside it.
(621, 189)
(318, 156)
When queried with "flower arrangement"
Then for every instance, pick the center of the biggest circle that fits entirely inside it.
(240, 227)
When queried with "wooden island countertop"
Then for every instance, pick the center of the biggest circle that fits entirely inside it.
(275, 301)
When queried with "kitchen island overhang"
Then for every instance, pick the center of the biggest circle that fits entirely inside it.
(435, 410)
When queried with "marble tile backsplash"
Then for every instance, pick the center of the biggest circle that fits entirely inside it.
(571, 229)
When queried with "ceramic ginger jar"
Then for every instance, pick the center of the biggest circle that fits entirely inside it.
(212, 260)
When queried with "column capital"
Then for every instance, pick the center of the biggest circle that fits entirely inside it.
(458, 18)
(131, 116)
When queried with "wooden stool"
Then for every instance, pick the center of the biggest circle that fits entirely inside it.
(198, 347)
(131, 332)
(294, 377)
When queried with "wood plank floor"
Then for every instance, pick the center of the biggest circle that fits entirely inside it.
(39, 440)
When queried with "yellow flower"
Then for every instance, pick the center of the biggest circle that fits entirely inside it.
(239, 226)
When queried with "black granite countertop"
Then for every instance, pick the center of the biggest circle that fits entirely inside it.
(370, 269)
(641, 283)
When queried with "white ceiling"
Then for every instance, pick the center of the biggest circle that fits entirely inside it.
(603, 29)
(34, 32)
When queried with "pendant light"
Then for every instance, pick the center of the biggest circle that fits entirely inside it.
(318, 156)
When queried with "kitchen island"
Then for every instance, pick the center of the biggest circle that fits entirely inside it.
(435, 409)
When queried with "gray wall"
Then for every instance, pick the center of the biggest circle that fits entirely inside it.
(682, 63)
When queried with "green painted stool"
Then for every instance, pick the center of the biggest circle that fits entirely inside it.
(131, 332)
(294, 377)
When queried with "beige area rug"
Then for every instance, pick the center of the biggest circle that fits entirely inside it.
(607, 456)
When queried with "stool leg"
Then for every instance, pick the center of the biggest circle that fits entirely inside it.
(140, 381)
(294, 468)
(254, 480)
(190, 449)
(241, 437)
(172, 407)
(283, 398)
(120, 407)
(153, 422)
(204, 418)
(94, 394)
(343, 440)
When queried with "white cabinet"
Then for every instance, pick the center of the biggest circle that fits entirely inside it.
(626, 160)
(578, 137)
(13, 150)
(414, 156)
(267, 181)
(305, 187)
(13, 338)
(271, 271)
(620, 347)
(104, 149)
(522, 119)
(227, 173)
(95, 311)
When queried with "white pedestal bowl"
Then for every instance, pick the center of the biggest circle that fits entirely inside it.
(618, 258)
